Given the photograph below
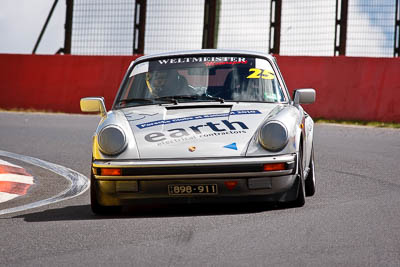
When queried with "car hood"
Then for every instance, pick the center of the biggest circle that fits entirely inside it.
(196, 130)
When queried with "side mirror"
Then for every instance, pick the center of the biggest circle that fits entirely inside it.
(93, 104)
(304, 96)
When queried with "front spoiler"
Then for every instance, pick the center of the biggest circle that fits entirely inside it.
(121, 190)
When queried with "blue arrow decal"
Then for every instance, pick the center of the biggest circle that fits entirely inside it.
(231, 146)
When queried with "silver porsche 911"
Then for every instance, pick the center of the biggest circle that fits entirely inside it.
(202, 126)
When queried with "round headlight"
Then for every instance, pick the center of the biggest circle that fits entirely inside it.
(112, 140)
(273, 136)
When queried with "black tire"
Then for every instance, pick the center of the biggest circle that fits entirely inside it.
(94, 203)
(310, 180)
(301, 194)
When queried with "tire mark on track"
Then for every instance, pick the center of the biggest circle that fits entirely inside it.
(79, 182)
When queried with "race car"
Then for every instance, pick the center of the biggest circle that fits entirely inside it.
(204, 126)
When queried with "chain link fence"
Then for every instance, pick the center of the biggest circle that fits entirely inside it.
(371, 28)
(173, 25)
(102, 27)
(306, 28)
(244, 25)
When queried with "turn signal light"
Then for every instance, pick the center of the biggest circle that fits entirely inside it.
(274, 166)
(110, 172)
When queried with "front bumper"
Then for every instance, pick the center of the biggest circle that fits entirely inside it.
(143, 180)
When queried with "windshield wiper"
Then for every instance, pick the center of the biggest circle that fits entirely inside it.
(129, 100)
(147, 100)
(132, 100)
(214, 98)
(171, 99)
(197, 97)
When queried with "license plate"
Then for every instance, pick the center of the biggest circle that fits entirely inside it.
(192, 189)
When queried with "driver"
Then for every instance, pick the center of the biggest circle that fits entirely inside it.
(156, 81)
(167, 83)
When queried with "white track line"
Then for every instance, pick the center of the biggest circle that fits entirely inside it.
(79, 182)
(18, 178)
(7, 196)
(3, 162)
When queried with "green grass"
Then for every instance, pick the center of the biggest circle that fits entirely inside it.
(377, 124)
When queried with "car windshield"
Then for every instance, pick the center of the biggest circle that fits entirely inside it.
(201, 78)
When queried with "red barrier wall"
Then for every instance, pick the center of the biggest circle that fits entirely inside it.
(58, 82)
(347, 87)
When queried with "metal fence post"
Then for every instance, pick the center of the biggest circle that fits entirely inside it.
(139, 26)
(396, 52)
(209, 24)
(341, 27)
(275, 27)
(68, 27)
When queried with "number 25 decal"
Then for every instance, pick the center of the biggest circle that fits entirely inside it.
(256, 74)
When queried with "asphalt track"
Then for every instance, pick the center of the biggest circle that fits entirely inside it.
(353, 220)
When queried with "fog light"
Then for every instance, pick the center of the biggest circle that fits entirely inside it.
(110, 172)
(260, 183)
(275, 166)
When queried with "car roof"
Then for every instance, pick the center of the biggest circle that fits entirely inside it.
(202, 52)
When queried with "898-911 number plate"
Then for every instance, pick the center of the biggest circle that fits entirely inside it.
(192, 189)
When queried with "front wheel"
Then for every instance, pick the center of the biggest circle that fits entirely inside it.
(301, 194)
(310, 180)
